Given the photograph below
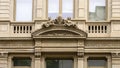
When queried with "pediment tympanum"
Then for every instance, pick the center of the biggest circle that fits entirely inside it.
(59, 28)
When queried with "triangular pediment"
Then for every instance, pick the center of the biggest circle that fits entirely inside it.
(59, 29)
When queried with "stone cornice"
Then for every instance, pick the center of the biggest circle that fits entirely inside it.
(56, 37)
(16, 38)
(75, 37)
(103, 38)
(67, 37)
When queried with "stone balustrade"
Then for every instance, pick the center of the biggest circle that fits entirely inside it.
(100, 29)
(22, 29)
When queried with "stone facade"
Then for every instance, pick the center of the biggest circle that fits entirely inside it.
(78, 38)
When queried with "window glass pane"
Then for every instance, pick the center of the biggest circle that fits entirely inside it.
(23, 10)
(22, 61)
(67, 8)
(53, 8)
(58, 63)
(97, 10)
(96, 62)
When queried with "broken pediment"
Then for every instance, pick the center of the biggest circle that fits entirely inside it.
(59, 28)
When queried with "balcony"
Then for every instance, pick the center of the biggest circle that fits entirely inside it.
(98, 29)
(19, 29)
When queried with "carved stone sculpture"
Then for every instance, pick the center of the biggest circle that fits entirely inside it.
(58, 21)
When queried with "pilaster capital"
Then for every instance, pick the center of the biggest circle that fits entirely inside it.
(115, 54)
(3, 54)
(80, 54)
(37, 54)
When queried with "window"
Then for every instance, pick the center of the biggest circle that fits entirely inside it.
(23, 10)
(21, 61)
(67, 8)
(62, 8)
(94, 62)
(97, 10)
(53, 8)
(59, 63)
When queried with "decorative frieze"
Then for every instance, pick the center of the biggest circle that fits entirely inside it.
(102, 44)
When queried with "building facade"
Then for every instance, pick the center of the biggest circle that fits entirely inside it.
(78, 34)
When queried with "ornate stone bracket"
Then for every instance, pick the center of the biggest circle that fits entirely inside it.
(80, 54)
(58, 21)
(116, 54)
(3, 54)
(37, 54)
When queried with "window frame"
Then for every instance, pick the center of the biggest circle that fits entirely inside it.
(11, 56)
(57, 58)
(60, 9)
(14, 11)
(106, 56)
(106, 9)
(96, 58)
(60, 56)
(21, 58)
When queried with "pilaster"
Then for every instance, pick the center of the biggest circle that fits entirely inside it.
(37, 60)
(80, 14)
(40, 9)
(80, 54)
(116, 60)
(80, 60)
(38, 54)
(3, 60)
(80, 47)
